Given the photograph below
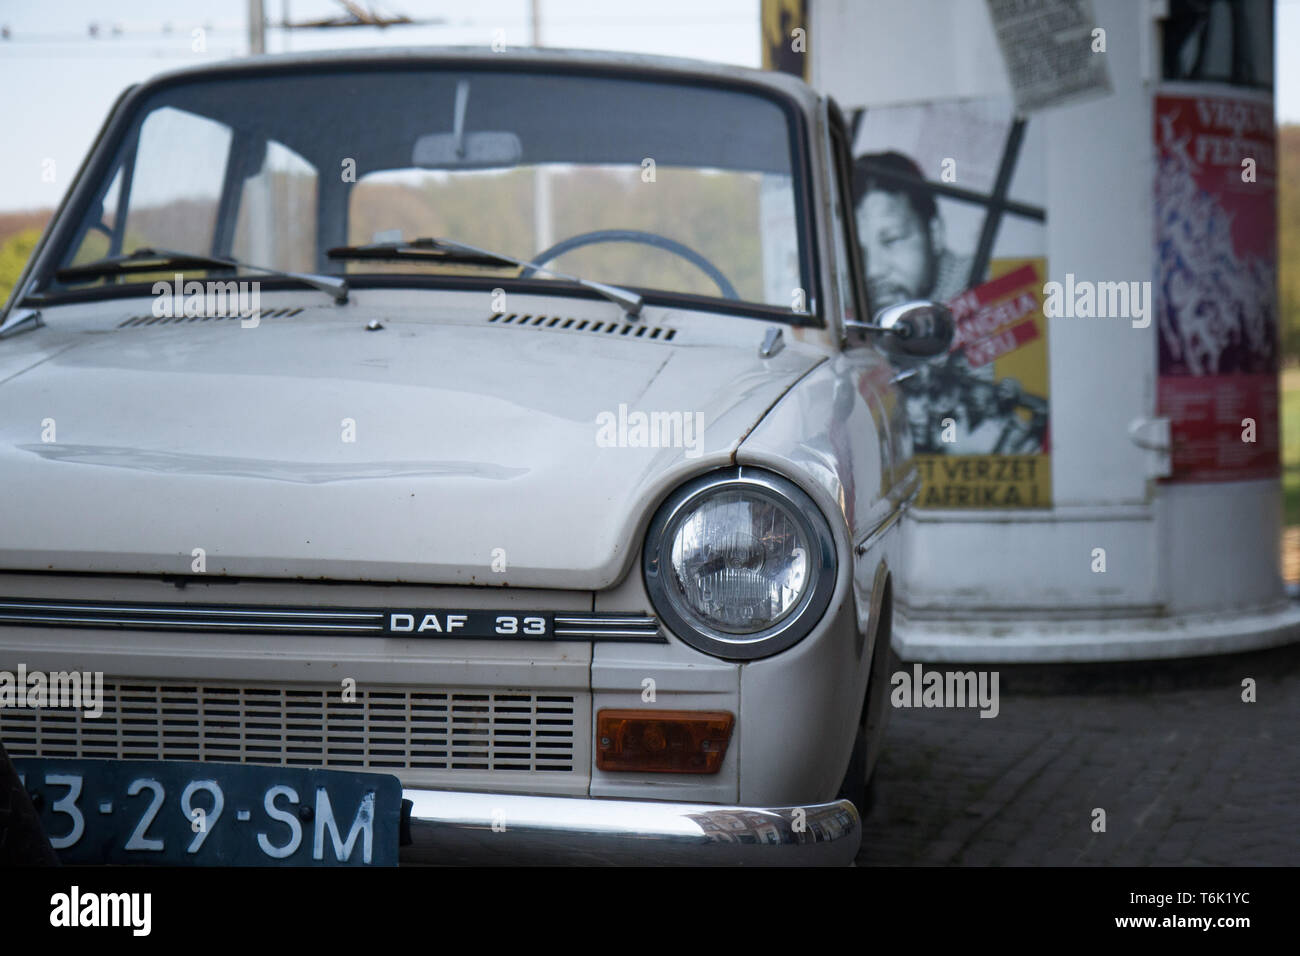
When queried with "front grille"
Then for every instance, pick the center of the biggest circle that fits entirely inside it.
(392, 729)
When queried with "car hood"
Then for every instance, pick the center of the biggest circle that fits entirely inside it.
(441, 452)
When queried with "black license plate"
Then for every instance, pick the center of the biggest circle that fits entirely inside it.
(180, 813)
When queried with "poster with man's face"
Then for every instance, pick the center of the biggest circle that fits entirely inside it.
(934, 224)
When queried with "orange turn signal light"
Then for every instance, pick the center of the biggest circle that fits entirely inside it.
(662, 741)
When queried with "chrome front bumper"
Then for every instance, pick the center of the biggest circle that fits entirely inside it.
(452, 828)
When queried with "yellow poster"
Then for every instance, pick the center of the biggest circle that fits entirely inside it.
(988, 401)
(785, 37)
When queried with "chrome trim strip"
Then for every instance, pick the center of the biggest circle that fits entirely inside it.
(175, 609)
(609, 619)
(457, 828)
(640, 635)
(881, 527)
(362, 621)
(608, 626)
(182, 625)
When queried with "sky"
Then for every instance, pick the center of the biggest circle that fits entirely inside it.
(62, 81)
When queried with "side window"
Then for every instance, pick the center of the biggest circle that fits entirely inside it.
(98, 238)
(276, 223)
(1219, 41)
(177, 180)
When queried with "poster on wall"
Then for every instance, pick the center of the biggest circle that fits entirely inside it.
(948, 202)
(785, 37)
(1051, 51)
(1216, 294)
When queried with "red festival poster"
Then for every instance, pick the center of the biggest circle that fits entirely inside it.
(1216, 293)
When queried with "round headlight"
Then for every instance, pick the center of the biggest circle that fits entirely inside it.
(740, 564)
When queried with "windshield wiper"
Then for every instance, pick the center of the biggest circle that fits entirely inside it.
(153, 259)
(430, 249)
(425, 250)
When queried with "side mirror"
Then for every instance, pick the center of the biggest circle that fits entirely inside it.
(916, 330)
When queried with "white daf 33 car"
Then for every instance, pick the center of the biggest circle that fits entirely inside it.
(453, 456)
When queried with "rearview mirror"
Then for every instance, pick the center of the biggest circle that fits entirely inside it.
(467, 150)
(919, 329)
(459, 149)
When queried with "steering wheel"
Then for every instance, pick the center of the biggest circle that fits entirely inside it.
(635, 235)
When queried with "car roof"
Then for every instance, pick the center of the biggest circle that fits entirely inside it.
(591, 60)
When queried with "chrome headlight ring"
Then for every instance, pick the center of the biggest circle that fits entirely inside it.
(739, 563)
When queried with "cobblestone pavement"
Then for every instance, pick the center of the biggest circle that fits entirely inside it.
(1186, 771)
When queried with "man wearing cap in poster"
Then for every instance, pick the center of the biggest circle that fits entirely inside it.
(905, 257)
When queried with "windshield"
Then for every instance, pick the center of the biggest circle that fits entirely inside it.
(669, 188)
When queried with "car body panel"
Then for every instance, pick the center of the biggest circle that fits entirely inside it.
(234, 440)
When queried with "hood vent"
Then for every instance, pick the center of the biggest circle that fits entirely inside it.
(559, 323)
(136, 321)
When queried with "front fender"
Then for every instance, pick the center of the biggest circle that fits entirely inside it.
(835, 434)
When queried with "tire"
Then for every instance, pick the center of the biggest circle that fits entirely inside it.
(859, 784)
(855, 786)
(22, 841)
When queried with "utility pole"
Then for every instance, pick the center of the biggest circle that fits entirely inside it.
(543, 227)
(259, 195)
(256, 28)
